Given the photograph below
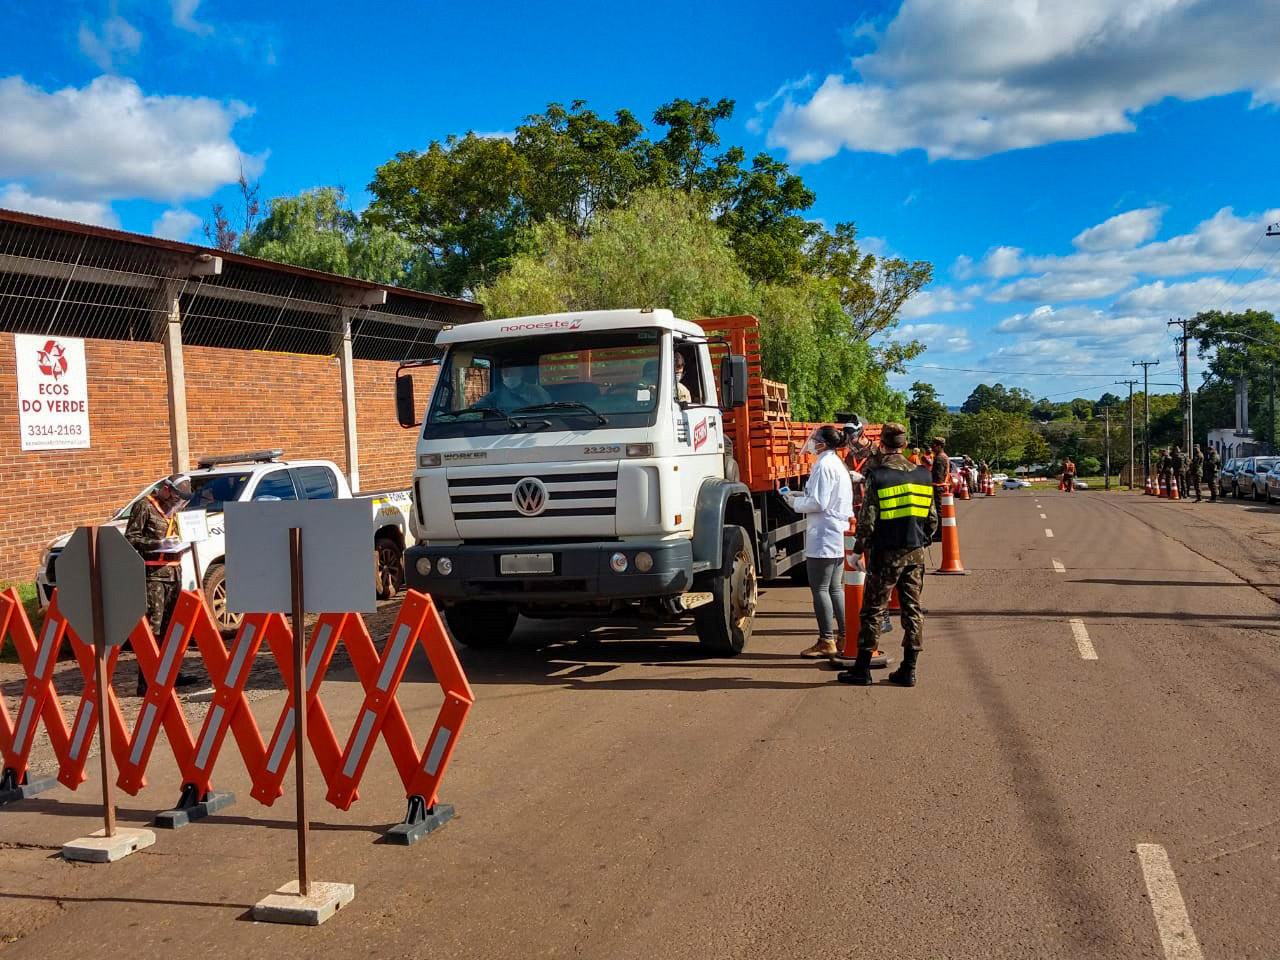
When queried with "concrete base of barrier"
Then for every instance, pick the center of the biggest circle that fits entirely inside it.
(29, 789)
(185, 815)
(99, 848)
(286, 905)
(416, 827)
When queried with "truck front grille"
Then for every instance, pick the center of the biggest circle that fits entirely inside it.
(582, 494)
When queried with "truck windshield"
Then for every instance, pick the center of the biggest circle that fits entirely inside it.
(213, 490)
(570, 381)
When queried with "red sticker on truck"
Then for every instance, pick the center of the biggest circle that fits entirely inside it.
(700, 434)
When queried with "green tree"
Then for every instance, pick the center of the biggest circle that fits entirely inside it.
(1239, 345)
(460, 204)
(664, 250)
(983, 397)
(926, 414)
(1035, 450)
(317, 229)
(996, 436)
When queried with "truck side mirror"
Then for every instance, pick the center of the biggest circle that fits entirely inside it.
(406, 410)
(733, 381)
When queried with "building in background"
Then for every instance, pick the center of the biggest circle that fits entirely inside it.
(184, 352)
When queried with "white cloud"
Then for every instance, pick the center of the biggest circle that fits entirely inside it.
(968, 78)
(175, 224)
(937, 300)
(184, 17)
(938, 337)
(1051, 286)
(1124, 231)
(16, 197)
(110, 140)
(118, 40)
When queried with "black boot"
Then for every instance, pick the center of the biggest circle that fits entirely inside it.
(860, 674)
(905, 675)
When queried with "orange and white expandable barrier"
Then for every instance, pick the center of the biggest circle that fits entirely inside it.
(380, 716)
(950, 538)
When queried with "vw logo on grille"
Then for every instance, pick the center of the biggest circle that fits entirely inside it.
(530, 496)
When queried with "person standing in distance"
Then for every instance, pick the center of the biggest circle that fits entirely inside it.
(895, 527)
(940, 467)
(1195, 471)
(1211, 465)
(827, 505)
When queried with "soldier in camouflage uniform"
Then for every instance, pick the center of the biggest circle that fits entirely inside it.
(151, 523)
(895, 526)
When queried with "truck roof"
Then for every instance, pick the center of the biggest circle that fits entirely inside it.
(585, 320)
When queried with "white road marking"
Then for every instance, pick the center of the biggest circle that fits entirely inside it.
(1176, 935)
(1058, 567)
(1082, 640)
(1044, 516)
(1048, 532)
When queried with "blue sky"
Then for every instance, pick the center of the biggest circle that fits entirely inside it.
(1077, 173)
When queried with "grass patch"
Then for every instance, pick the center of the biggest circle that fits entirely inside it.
(27, 594)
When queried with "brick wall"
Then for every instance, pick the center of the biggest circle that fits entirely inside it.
(386, 448)
(243, 400)
(237, 401)
(45, 493)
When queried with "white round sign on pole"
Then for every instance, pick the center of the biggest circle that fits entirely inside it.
(124, 587)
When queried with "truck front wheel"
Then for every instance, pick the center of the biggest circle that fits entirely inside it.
(724, 625)
(388, 567)
(481, 624)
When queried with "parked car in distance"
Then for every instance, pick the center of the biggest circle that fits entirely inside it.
(1014, 483)
(1272, 485)
(1251, 478)
(999, 477)
(1227, 476)
(1080, 484)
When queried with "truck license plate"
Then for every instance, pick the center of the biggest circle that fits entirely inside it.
(515, 563)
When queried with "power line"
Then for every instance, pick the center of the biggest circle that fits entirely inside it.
(1009, 373)
(1223, 284)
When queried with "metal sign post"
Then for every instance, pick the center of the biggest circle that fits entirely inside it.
(101, 591)
(299, 702)
(267, 543)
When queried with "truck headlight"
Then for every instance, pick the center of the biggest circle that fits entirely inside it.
(644, 561)
(424, 566)
(445, 566)
(428, 459)
(618, 562)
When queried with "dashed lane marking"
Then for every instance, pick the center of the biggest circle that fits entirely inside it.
(1044, 516)
(1083, 642)
(1048, 532)
(1058, 567)
(1176, 936)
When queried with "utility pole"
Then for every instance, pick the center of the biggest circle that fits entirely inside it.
(1188, 423)
(1146, 366)
(1131, 384)
(1106, 468)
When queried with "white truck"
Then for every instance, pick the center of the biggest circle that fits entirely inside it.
(261, 475)
(562, 471)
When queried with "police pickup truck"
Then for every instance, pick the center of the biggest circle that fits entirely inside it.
(261, 475)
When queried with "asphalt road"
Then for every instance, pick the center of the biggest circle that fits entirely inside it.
(619, 796)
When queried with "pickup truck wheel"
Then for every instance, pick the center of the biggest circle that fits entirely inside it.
(724, 625)
(215, 594)
(389, 559)
(481, 624)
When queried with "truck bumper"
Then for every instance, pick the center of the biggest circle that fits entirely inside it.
(580, 571)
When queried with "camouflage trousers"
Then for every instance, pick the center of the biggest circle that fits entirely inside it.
(162, 597)
(881, 579)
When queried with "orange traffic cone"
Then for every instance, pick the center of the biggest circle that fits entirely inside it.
(1164, 488)
(950, 539)
(1173, 488)
(962, 488)
(1146, 488)
(894, 603)
(855, 578)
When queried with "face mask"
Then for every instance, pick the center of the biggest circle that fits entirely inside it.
(512, 379)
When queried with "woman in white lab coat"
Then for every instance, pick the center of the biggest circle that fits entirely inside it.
(827, 505)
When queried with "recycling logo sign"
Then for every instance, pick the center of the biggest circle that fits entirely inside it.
(53, 392)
